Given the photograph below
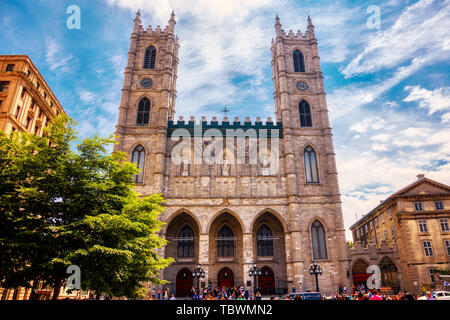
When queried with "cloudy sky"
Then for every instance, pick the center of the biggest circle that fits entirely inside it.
(387, 89)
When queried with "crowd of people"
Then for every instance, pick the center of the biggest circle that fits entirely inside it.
(359, 292)
(223, 293)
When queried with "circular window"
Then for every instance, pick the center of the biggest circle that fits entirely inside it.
(147, 82)
(302, 85)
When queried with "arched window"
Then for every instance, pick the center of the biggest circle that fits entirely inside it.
(143, 115)
(186, 242)
(264, 241)
(150, 58)
(138, 157)
(305, 114)
(299, 61)
(312, 174)
(225, 242)
(318, 241)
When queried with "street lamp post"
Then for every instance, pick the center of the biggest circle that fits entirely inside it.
(316, 270)
(198, 273)
(254, 272)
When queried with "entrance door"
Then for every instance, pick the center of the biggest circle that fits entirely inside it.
(266, 281)
(184, 283)
(225, 278)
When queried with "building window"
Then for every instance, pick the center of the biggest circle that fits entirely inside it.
(365, 228)
(38, 85)
(318, 241)
(9, 67)
(439, 205)
(305, 114)
(423, 226)
(386, 236)
(299, 61)
(150, 58)
(370, 225)
(143, 115)
(390, 213)
(264, 242)
(432, 271)
(186, 242)
(27, 122)
(447, 246)
(444, 225)
(376, 222)
(36, 130)
(382, 217)
(40, 113)
(379, 238)
(4, 86)
(45, 95)
(138, 157)
(312, 173)
(418, 206)
(28, 73)
(32, 104)
(23, 93)
(393, 232)
(225, 242)
(427, 248)
(17, 112)
(357, 233)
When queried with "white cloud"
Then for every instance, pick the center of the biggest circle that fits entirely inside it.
(432, 100)
(419, 31)
(55, 57)
(383, 137)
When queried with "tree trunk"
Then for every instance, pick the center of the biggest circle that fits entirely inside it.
(97, 297)
(56, 289)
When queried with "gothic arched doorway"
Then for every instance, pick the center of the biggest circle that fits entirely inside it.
(359, 272)
(266, 281)
(184, 283)
(389, 274)
(225, 278)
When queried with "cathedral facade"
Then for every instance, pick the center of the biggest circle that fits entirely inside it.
(238, 193)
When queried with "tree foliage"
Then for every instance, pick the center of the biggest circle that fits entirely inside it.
(60, 207)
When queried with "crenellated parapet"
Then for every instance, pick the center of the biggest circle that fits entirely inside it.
(261, 128)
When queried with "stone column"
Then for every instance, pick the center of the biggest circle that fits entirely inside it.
(203, 256)
(247, 240)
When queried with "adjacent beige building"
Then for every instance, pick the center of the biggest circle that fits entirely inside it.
(26, 101)
(407, 235)
(280, 208)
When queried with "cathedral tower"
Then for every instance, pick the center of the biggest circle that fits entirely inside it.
(148, 99)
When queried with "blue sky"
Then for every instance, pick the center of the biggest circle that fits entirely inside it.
(387, 89)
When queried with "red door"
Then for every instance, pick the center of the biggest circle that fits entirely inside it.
(184, 283)
(225, 278)
(266, 281)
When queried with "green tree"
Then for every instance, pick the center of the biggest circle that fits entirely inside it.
(59, 208)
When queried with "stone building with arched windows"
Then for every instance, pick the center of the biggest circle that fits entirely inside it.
(238, 193)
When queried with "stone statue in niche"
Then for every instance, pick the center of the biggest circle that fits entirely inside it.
(226, 164)
(186, 162)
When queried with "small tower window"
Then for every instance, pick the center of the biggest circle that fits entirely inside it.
(143, 115)
(150, 58)
(305, 114)
(138, 157)
(299, 61)
(311, 171)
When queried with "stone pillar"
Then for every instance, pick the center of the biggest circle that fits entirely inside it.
(203, 255)
(248, 259)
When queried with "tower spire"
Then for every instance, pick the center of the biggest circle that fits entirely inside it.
(172, 22)
(278, 26)
(137, 22)
(310, 29)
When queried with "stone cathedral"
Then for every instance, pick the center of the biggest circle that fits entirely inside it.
(236, 211)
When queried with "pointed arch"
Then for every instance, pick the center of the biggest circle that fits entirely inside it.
(143, 114)
(311, 168)
(318, 241)
(150, 58)
(138, 157)
(299, 61)
(304, 111)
